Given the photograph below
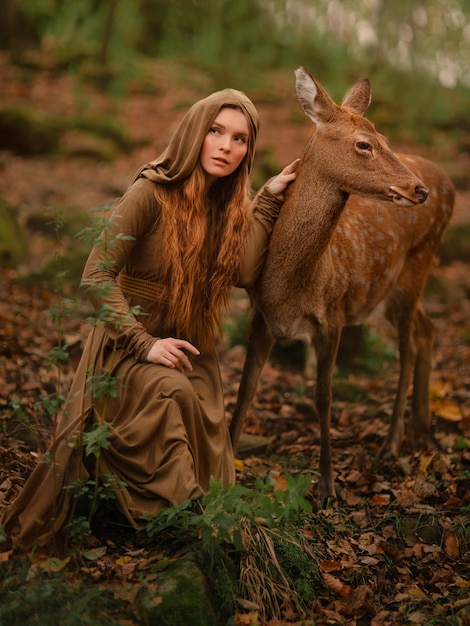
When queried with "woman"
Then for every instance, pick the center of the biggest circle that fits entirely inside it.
(145, 412)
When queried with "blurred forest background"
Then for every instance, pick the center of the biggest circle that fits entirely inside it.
(416, 54)
(105, 81)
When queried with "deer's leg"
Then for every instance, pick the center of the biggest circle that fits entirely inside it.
(260, 343)
(407, 353)
(424, 338)
(326, 346)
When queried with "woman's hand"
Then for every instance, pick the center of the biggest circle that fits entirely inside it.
(278, 185)
(170, 352)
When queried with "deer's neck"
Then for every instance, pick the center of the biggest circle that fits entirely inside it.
(305, 224)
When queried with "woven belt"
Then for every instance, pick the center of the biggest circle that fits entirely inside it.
(146, 289)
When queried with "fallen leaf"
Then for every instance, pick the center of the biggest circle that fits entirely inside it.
(4, 556)
(379, 500)
(452, 546)
(425, 462)
(53, 564)
(439, 389)
(452, 503)
(330, 566)
(94, 554)
(369, 560)
(337, 586)
(415, 592)
(447, 410)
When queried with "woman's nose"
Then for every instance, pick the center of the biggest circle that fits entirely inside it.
(225, 144)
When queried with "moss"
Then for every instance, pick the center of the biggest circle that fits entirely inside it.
(13, 246)
(299, 568)
(183, 591)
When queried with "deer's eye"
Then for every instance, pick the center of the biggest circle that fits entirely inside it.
(363, 145)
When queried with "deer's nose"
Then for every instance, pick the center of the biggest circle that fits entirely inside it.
(422, 193)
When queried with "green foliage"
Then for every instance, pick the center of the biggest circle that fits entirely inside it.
(53, 601)
(223, 508)
(13, 243)
(96, 439)
(411, 61)
(18, 425)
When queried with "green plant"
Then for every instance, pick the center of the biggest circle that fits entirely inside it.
(217, 515)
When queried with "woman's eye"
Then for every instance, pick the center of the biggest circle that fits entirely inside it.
(214, 130)
(240, 139)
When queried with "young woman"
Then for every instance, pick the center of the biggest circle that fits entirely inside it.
(146, 408)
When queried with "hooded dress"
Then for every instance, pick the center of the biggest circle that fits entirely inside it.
(165, 431)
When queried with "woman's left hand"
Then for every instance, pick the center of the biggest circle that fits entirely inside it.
(278, 185)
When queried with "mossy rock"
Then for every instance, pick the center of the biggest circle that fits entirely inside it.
(13, 245)
(88, 146)
(26, 133)
(183, 597)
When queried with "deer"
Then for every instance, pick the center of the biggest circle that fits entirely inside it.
(358, 231)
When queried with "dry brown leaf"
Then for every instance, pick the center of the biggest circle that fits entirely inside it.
(382, 618)
(415, 592)
(439, 389)
(424, 488)
(425, 462)
(379, 500)
(361, 597)
(452, 546)
(280, 482)
(337, 586)
(389, 549)
(447, 410)
(330, 566)
(4, 556)
(350, 497)
(123, 560)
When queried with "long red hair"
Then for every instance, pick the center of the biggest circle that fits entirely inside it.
(204, 236)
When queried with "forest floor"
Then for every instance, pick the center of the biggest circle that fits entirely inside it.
(397, 548)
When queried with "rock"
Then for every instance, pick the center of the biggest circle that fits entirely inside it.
(183, 597)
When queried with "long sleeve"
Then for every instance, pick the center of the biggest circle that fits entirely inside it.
(133, 218)
(266, 208)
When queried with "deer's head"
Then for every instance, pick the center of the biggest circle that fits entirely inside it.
(347, 148)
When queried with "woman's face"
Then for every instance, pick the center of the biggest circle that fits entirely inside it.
(225, 145)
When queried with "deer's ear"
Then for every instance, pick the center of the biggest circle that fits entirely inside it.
(358, 97)
(316, 103)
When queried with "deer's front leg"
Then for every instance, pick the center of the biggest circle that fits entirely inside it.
(326, 346)
(424, 338)
(407, 350)
(260, 343)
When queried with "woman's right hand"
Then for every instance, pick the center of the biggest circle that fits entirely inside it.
(170, 352)
(278, 185)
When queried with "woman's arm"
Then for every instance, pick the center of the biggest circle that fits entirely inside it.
(266, 207)
(133, 217)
